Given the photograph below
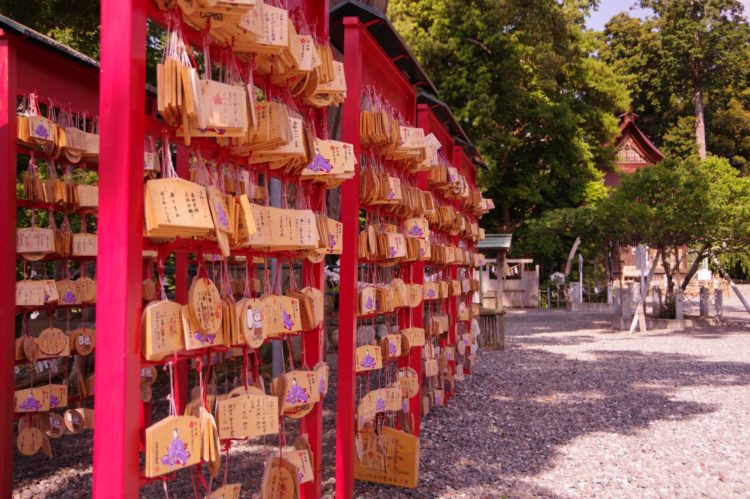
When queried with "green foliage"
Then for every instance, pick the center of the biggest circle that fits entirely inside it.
(675, 203)
(522, 80)
(75, 24)
(686, 44)
(679, 139)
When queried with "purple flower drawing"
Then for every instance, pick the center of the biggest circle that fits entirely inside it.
(53, 402)
(288, 322)
(204, 338)
(296, 394)
(391, 194)
(369, 305)
(421, 252)
(391, 348)
(41, 131)
(392, 251)
(223, 220)
(416, 231)
(30, 404)
(405, 405)
(321, 386)
(430, 293)
(177, 452)
(69, 297)
(320, 164)
(331, 241)
(368, 362)
(379, 404)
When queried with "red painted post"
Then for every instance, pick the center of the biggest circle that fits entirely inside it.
(181, 285)
(313, 352)
(348, 281)
(122, 101)
(7, 262)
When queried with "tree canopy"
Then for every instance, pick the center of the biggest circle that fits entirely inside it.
(523, 80)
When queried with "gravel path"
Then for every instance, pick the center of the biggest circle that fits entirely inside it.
(572, 409)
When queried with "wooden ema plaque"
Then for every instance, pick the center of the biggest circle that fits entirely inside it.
(195, 337)
(391, 346)
(280, 480)
(35, 293)
(35, 241)
(172, 444)
(248, 415)
(298, 391)
(281, 315)
(32, 399)
(414, 336)
(205, 305)
(250, 318)
(228, 491)
(52, 342)
(68, 292)
(409, 381)
(391, 458)
(83, 340)
(84, 244)
(162, 330)
(369, 357)
(302, 461)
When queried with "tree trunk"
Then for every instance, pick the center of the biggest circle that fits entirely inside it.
(668, 274)
(694, 267)
(700, 124)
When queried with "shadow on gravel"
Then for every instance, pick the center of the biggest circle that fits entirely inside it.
(508, 419)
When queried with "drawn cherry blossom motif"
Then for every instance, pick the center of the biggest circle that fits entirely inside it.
(217, 100)
(391, 194)
(430, 293)
(319, 164)
(53, 402)
(69, 297)
(288, 322)
(369, 305)
(41, 131)
(30, 404)
(391, 348)
(203, 338)
(177, 452)
(392, 251)
(296, 394)
(416, 231)
(321, 386)
(368, 361)
(331, 241)
(222, 216)
(380, 404)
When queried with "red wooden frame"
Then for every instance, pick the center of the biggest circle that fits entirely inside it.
(365, 64)
(26, 66)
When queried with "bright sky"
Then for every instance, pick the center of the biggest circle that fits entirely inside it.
(609, 8)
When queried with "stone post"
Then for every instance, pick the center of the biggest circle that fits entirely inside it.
(703, 306)
(626, 298)
(679, 304)
(718, 303)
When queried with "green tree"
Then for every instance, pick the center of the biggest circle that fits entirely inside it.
(522, 79)
(690, 60)
(703, 205)
(704, 43)
(75, 24)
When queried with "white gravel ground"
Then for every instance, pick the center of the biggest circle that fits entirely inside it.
(573, 409)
